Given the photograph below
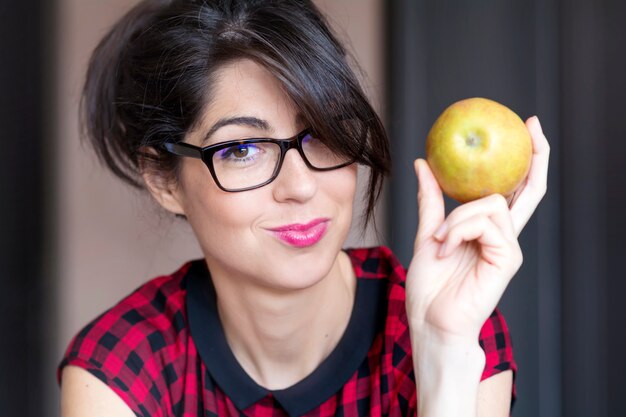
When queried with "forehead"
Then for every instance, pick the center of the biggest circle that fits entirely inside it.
(246, 89)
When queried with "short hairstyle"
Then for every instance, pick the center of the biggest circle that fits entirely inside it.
(151, 76)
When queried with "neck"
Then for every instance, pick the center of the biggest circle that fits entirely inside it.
(280, 338)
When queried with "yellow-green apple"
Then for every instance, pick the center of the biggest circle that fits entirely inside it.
(478, 147)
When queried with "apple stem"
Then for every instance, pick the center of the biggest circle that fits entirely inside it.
(473, 140)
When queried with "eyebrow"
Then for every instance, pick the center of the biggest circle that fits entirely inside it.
(239, 121)
(249, 121)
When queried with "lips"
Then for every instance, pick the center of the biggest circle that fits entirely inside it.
(301, 235)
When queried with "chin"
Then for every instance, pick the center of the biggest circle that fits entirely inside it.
(300, 270)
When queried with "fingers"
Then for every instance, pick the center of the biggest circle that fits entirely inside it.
(495, 248)
(494, 207)
(500, 258)
(529, 195)
(430, 202)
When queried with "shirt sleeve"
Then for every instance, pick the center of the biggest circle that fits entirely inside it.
(107, 348)
(138, 347)
(495, 340)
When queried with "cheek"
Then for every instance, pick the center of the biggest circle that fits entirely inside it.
(209, 210)
(341, 185)
(224, 227)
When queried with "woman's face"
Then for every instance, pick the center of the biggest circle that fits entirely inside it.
(284, 235)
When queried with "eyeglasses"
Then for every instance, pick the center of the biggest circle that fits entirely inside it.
(246, 164)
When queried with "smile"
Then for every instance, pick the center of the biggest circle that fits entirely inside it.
(301, 235)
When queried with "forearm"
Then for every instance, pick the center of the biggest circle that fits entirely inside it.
(447, 376)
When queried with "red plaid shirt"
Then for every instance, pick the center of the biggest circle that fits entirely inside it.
(163, 351)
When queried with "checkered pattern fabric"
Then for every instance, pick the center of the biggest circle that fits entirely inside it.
(143, 349)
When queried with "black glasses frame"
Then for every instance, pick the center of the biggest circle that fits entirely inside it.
(206, 155)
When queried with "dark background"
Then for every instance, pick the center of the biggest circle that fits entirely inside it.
(566, 62)
(22, 208)
(562, 60)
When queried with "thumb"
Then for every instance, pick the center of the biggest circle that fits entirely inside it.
(429, 201)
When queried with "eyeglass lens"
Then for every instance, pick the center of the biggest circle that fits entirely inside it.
(247, 165)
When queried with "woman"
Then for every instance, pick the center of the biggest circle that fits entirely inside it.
(244, 118)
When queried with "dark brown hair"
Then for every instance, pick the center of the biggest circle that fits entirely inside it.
(151, 76)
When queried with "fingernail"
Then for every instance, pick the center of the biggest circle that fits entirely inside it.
(538, 122)
(441, 231)
(417, 166)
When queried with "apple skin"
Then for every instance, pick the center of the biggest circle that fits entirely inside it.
(478, 147)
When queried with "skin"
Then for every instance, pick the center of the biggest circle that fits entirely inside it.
(460, 268)
(269, 314)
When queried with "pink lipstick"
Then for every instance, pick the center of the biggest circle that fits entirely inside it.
(302, 235)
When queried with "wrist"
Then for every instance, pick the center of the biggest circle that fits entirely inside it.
(443, 328)
(447, 376)
(465, 360)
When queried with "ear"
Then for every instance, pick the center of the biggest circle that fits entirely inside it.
(165, 192)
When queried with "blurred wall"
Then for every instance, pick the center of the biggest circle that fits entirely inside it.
(109, 238)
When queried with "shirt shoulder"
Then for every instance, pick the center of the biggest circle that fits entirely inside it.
(135, 346)
(377, 262)
(380, 263)
(495, 340)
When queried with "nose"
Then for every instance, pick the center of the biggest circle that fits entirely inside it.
(295, 181)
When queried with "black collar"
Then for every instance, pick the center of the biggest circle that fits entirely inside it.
(206, 329)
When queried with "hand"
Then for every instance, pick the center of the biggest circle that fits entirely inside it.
(463, 263)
